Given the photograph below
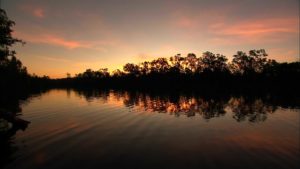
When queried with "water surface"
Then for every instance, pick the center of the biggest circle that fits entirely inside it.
(121, 129)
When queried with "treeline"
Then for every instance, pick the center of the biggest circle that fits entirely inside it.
(245, 70)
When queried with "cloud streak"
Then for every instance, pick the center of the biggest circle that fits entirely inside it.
(257, 27)
(54, 40)
(58, 41)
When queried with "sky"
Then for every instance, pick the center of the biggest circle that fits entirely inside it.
(70, 36)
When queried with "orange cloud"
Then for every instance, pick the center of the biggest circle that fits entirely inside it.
(50, 39)
(53, 40)
(284, 55)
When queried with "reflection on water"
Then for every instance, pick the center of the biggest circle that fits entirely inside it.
(123, 129)
(10, 123)
(244, 108)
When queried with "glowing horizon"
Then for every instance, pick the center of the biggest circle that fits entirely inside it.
(72, 36)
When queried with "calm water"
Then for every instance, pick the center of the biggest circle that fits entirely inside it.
(94, 129)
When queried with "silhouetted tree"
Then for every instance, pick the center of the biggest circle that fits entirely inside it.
(214, 62)
(176, 63)
(68, 75)
(102, 73)
(249, 64)
(12, 71)
(132, 69)
(117, 73)
(6, 39)
(191, 63)
(160, 65)
(91, 74)
(145, 67)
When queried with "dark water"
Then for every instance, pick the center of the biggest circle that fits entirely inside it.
(107, 129)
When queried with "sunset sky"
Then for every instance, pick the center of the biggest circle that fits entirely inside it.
(73, 35)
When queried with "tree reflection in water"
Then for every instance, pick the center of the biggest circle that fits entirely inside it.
(10, 123)
(244, 108)
(9, 105)
(252, 110)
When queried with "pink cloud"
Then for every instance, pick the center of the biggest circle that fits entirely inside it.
(220, 28)
(39, 12)
(55, 40)
(256, 27)
(274, 30)
(191, 19)
(51, 39)
(33, 10)
(58, 41)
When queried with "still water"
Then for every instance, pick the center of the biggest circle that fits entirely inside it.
(121, 129)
